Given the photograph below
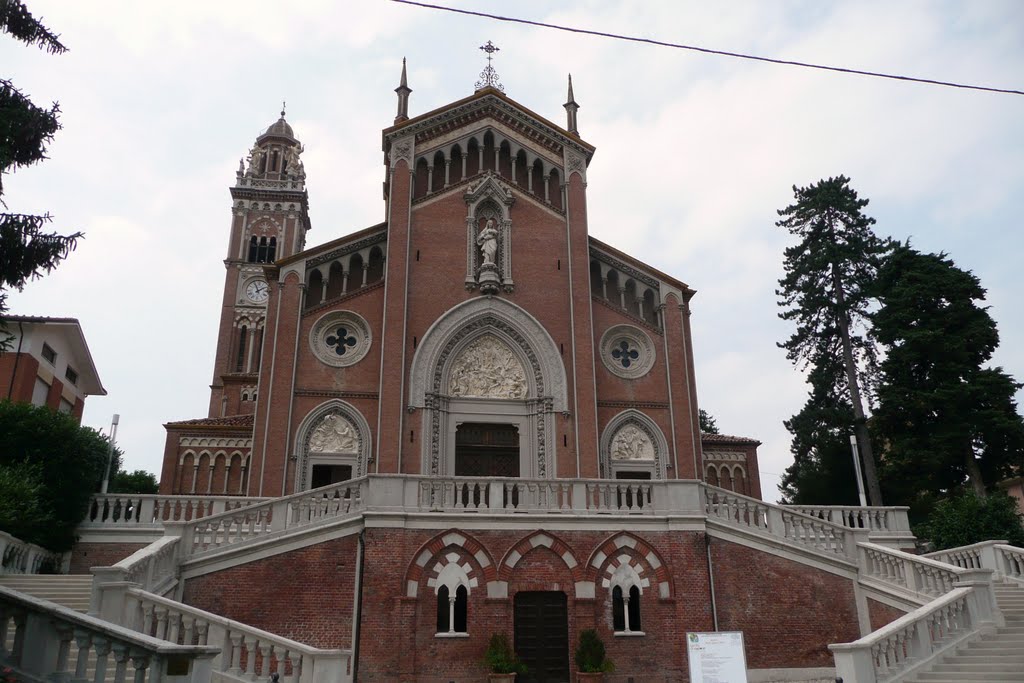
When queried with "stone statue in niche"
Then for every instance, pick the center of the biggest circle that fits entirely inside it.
(487, 368)
(632, 443)
(487, 240)
(334, 434)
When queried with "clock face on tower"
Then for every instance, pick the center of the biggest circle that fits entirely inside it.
(257, 291)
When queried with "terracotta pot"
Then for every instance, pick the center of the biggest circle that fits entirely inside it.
(589, 677)
(501, 678)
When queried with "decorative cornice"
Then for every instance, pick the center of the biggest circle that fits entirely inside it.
(325, 393)
(633, 404)
(624, 268)
(213, 442)
(347, 249)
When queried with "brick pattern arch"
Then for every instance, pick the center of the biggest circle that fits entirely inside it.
(432, 557)
(541, 539)
(627, 549)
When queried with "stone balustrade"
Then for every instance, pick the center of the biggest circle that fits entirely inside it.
(1006, 560)
(882, 521)
(153, 568)
(145, 510)
(246, 653)
(19, 557)
(921, 576)
(54, 643)
(781, 522)
(915, 640)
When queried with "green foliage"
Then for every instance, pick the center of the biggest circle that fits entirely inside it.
(590, 653)
(826, 292)
(24, 511)
(708, 424)
(69, 460)
(969, 518)
(500, 658)
(822, 472)
(139, 481)
(26, 251)
(945, 418)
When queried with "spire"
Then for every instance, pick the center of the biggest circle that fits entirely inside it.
(570, 110)
(403, 91)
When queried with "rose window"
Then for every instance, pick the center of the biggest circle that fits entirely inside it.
(340, 338)
(341, 341)
(624, 354)
(627, 351)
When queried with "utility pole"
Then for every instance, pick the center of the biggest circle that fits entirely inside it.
(110, 453)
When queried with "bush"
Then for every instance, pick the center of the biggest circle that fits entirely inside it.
(590, 654)
(500, 658)
(24, 512)
(69, 461)
(139, 481)
(968, 518)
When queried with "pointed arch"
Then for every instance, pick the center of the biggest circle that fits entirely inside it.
(648, 428)
(307, 452)
(539, 539)
(425, 560)
(625, 548)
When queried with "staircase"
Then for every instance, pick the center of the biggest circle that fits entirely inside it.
(997, 656)
(70, 590)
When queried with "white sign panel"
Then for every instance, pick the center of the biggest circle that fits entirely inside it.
(716, 657)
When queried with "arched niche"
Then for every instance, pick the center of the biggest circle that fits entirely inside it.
(334, 433)
(632, 446)
(494, 329)
(488, 200)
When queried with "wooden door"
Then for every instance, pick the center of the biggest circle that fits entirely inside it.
(542, 636)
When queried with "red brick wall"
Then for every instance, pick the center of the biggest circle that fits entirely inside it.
(18, 376)
(788, 612)
(306, 594)
(882, 614)
(86, 555)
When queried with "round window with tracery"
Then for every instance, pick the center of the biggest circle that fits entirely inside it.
(340, 338)
(627, 351)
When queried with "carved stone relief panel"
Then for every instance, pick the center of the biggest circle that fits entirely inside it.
(632, 443)
(487, 368)
(334, 434)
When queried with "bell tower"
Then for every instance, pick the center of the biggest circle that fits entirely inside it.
(270, 218)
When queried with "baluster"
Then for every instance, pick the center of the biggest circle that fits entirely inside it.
(202, 632)
(250, 656)
(120, 651)
(161, 622)
(188, 624)
(174, 627)
(295, 659)
(102, 648)
(236, 653)
(141, 663)
(266, 650)
(83, 639)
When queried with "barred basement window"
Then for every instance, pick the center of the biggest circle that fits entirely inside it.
(451, 611)
(626, 611)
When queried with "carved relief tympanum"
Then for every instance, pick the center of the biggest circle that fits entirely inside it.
(631, 443)
(334, 434)
(487, 368)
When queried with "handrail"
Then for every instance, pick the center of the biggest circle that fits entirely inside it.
(891, 519)
(237, 642)
(921, 576)
(19, 557)
(151, 510)
(778, 521)
(53, 628)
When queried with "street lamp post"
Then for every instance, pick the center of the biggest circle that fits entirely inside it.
(856, 469)
(110, 453)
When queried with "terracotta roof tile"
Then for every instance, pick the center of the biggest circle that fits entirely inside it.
(229, 421)
(725, 438)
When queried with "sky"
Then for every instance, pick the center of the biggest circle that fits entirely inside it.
(695, 155)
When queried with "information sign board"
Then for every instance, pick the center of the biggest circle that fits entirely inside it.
(716, 657)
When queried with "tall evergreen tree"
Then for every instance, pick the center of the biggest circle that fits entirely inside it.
(944, 417)
(822, 472)
(708, 424)
(826, 293)
(26, 251)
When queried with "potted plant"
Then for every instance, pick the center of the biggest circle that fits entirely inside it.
(501, 660)
(591, 663)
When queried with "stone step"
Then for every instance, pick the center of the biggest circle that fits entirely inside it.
(954, 664)
(968, 677)
(73, 592)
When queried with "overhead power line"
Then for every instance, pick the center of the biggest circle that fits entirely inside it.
(723, 53)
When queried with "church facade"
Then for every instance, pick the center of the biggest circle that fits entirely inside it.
(521, 398)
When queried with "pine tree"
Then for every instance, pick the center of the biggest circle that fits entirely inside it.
(708, 424)
(826, 293)
(26, 251)
(944, 417)
(822, 472)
